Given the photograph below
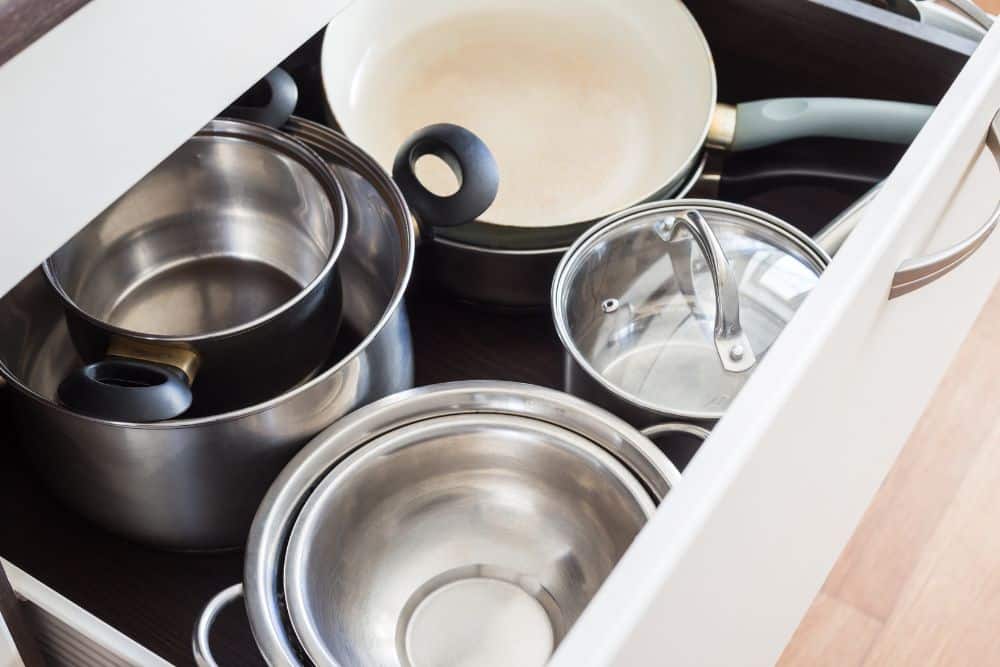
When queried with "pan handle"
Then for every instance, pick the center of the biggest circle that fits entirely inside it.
(279, 94)
(200, 645)
(915, 273)
(765, 122)
(731, 342)
(474, 166)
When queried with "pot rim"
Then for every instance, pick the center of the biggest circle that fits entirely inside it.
(694, 161)
(267, 540)
(280, 142)
(560, 283)
(370, 169)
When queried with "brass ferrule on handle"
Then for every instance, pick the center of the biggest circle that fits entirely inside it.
(722, 127)
(179, 355)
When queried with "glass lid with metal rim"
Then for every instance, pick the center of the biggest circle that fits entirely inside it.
(671, 305)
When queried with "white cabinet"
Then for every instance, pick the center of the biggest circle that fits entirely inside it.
(731, 561)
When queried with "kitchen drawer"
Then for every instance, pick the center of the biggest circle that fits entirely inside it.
(731, 561)
(726, 569)
(63, 633)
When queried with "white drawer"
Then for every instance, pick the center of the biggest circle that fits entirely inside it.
(731, 561)
(724, 572)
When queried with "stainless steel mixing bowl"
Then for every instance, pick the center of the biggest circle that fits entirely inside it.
(474, 439)
(460, 540)
(226, 252)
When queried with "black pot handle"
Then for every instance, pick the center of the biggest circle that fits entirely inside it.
(470, 159)
(127, 390)
(839, 166)
(271, 101)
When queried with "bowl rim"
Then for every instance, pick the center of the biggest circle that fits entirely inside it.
(308, 522)
(290, 490)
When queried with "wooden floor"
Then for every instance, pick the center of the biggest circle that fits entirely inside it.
(919, 583)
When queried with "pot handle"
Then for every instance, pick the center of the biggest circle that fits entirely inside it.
(678, 454)
(731, 343)
(765, 122)
(471, 161)
(122, 389)
(279, 94)
(200, 645)
(675, 427)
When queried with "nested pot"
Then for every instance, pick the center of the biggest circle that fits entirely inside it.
(211, 285)
(194, 483)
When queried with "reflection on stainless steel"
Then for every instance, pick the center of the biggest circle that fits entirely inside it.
(496, 527)
(462, 415)
(195, 483)
(655, 355)
(229, 246)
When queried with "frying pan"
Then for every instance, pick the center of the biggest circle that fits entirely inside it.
(590, 106)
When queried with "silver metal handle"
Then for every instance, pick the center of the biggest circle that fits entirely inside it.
(200, 641)
(973, 11)
(675, 427)
(915, 273)
(730, 341)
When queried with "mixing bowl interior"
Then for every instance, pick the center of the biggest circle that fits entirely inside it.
(458, 540)
(222, 232)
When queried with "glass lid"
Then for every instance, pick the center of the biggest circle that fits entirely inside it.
(672, 305)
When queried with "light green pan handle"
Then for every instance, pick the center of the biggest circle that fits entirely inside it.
(768, 122)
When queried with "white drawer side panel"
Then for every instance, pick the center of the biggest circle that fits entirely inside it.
(726, 569)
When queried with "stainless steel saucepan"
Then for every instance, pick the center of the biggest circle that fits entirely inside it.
(194, 483)
(666, 308)
(492, 509)
(214, 276)
(590, 107)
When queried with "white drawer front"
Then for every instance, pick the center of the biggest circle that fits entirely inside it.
(727, 567)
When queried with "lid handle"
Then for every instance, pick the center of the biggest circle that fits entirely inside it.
(731, 343)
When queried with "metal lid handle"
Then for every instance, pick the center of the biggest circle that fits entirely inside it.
(731, 343)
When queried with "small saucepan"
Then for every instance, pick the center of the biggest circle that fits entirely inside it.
(216, 270)
(665, 309)
(589, 106)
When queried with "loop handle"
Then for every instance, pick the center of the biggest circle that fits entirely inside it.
(915, 273)
(471, 161)
(280, 94)
(200, 645)
(731, 343)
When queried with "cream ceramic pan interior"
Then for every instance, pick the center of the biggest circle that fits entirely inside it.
(588, 105)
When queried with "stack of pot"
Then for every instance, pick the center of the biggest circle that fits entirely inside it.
(177, 352)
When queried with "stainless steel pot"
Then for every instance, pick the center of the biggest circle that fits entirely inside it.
(541, 535)
(195, 483)
(215, 275)
(665, 309)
